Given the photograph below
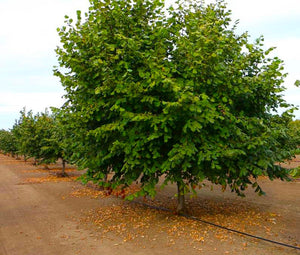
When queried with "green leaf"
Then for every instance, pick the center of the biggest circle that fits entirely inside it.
(224, 99)
(97, 90)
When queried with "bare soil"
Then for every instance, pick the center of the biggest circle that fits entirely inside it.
(42, 213)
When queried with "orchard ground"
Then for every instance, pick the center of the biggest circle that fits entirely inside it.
(41, 213)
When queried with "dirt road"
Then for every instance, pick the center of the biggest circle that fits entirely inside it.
(35, 220)
(41, 218)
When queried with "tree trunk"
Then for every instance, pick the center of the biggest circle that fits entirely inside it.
(63, 170)
(105, 177)
(181, 199)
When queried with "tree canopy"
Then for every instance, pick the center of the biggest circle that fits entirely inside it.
(172, 92)
(7, 142)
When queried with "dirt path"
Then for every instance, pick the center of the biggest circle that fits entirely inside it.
(65, 218)
(35, 220)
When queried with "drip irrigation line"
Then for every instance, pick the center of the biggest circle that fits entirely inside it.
(218, 226)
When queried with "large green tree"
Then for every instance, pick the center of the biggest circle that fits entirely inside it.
(172, 92)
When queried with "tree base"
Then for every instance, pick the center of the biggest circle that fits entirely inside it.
(61, 175)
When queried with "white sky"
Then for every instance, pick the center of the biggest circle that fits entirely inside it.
(28, 38)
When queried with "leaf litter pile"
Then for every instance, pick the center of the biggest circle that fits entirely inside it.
(135, 222)
(94, 192)
(52, 170)
(49, 178)
(53, 175)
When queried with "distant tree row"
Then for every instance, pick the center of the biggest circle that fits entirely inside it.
(41, 137)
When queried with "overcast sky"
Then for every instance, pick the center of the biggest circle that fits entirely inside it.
(28, 38)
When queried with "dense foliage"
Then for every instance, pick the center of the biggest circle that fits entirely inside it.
(174, 93)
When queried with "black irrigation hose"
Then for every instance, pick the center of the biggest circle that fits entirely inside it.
(218, 226)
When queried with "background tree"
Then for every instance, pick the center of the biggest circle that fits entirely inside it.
(57, 145)
(24, 132)
(7, 142)
(45, 129)
(294, 127)
(294, 131)
(177, 94)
